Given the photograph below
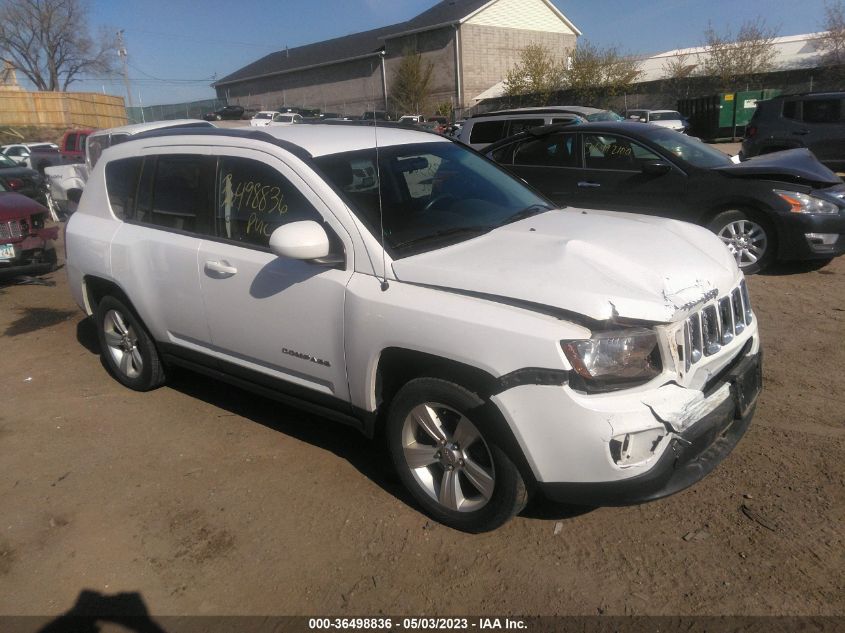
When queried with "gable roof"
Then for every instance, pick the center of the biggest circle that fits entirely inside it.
(360, 45)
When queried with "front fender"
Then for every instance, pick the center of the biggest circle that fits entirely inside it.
(492, 337)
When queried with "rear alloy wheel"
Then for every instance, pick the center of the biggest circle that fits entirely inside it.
(439, 437)
(748, 239)
(126, 347)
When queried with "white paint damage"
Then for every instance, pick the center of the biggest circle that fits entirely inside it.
(591, 263)
(680, 408)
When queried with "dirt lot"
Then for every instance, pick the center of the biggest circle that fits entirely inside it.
(208, 500)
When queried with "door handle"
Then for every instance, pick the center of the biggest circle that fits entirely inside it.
(221, 268)
(588, 185)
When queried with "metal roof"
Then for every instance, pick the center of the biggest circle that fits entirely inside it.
(360, 45)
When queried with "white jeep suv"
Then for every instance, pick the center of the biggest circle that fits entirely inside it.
(398, 281)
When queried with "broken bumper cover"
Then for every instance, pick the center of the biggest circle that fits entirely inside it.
(690, 456)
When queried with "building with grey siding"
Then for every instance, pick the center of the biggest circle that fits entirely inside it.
(471, 43)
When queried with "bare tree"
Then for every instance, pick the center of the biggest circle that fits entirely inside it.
(538, 73)
(50, 43)
(411, 87)
(832, 43)
(732, 59)
(594, 70)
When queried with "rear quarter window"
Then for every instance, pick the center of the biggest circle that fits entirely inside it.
(122, 185)
(487, 132)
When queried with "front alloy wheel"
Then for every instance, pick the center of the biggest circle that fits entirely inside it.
(448, 457)
(443, 441)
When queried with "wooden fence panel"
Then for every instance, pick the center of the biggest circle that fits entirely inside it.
(20, 108)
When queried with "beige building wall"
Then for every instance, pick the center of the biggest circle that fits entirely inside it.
(489, 52)
(438, 48)
(348, 88)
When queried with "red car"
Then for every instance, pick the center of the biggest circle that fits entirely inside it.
(27, 246)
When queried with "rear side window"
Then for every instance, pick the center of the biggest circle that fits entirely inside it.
(254, 199)
(520, 125)
(487, 132)
(822, 110)
(790, 110)
(122, 185)
(555, 150)
(176, 192)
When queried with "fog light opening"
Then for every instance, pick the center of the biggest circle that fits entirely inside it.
(630, 449)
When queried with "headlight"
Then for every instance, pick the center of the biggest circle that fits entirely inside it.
(804, 203)
(614, 360)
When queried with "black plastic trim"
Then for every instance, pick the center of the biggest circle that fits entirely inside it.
(267, 386)
(254, 135)
(532, 376)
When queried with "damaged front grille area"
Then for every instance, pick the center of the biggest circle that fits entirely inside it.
(10, 230)
(716, 325)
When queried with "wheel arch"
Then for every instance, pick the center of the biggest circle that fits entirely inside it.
(94, 288)
(397, 366)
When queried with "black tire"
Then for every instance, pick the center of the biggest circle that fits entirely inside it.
(488, 484)
(141, 371)
(749, 236)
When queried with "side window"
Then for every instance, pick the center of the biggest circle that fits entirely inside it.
(790, 110)
(487, 132)
(520, 125)
(122, 185)
(176, 192)
(822, 110)
(605, 151)
(254, 199)
(555, 150)
(70, 142)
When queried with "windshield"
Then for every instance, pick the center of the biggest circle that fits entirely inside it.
(5, 161)
(263, 115)
(690, 149)
(666, 116)
(432, 194)
(604, 115)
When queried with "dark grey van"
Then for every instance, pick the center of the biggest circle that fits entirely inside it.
(814, 120)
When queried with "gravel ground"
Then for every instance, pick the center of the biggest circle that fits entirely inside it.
(204, 499)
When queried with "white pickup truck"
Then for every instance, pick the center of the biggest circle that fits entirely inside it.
(502, 346)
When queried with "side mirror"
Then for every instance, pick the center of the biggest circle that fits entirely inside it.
(300, 240)
(656, 168)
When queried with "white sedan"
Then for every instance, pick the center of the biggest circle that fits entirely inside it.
(271, 117)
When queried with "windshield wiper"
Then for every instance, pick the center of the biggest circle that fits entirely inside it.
(459, 230)
(527, 212)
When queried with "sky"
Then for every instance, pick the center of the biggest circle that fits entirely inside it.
(176, 48)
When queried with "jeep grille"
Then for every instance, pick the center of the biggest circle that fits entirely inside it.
(716, 325)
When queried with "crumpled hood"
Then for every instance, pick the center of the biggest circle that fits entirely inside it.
(600, 264)
(790, 164)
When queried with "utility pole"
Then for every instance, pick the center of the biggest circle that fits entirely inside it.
(121, 51)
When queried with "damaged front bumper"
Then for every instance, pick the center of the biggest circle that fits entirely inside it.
(632, 448)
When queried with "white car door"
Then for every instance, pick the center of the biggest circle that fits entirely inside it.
(154, 252)
(276, 321)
